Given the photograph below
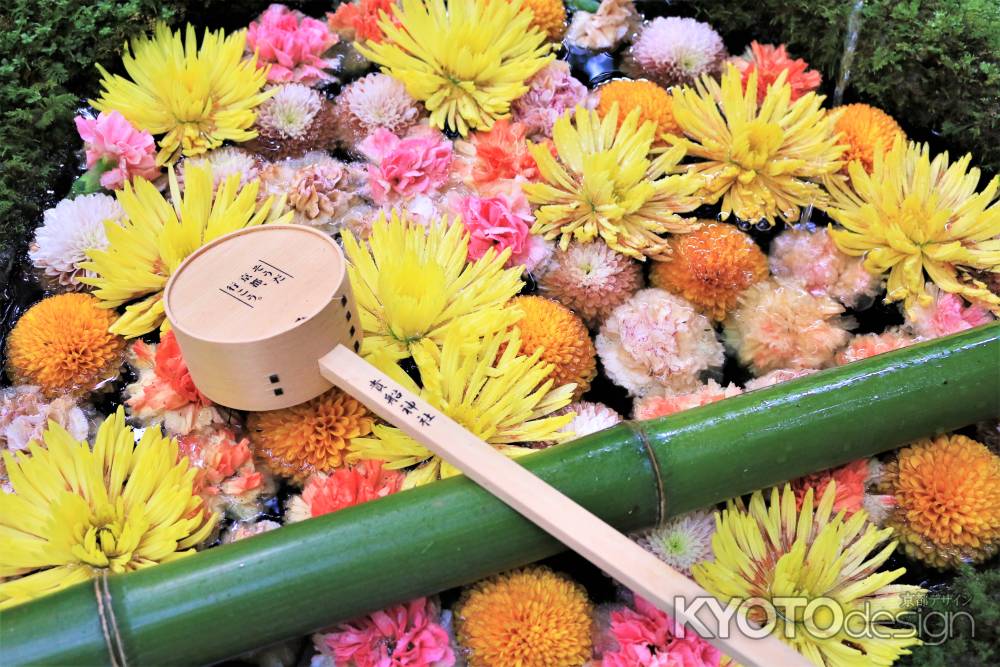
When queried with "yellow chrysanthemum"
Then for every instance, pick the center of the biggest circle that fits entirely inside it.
(604, 184)
(762, 160)
(77, 512)
(811, 559)
(913, 214)
(947, 493)
(562, 338)
(532, 617)
(549, 16)
(866, 131)
(310, 437)
(145, 249)
(62, 344)
(414, 283)
(195, 97)
(485, 385)
(655, 103)
(466, 60)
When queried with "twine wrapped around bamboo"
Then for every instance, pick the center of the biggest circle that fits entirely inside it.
(305, 576)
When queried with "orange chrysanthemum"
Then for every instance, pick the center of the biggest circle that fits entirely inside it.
(527, 617)
(947, 493)
(567, 346)
(710, 267)
(311, 437)
(655, 103)
(865, 131)
(550, 16)
(62, 345)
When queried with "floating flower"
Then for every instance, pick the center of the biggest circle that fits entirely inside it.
(156, 237)
(945, 314)
(780, 325)
(403, 168)
(851, 495)
(776, 552)
(613, 22)
(648, 637)
(549, 16)
(501, 222)
(866, 131)
(487, 386)
(769, 61)
(672, 50)
(78, 512)
(215, 103)
(413, 284)
(654, 103)
(296, 120)
(320, 193)
(223, 162)
(777, 377)
(947, 493)
(589, 417)
(762, 160)
(551, 92)
(710, 267)
(125, 151)
(359, 21)
(863, 346)
(164, 391)
(344, 487)
(656, 405)
(602, 183)
(561, 337)
(241, 530)
(309, 437)
(525, 617)
(62, 345)
(291, 46)
(227, 480)
(497, 155)
(404, 635)
(913, 215)
(376, 101)
(682, 541)
(466, 60)
(591, 279)
(68, 231)
(813, 259)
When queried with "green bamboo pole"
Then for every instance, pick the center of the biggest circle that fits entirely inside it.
(302, 577)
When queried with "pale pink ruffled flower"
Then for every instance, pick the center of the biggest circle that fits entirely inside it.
(656, 341)
(651, 407)
(112, 138)
(372, 102)
(501, 222)
(551, 91)
(416, 165)
(292, 44)
(776, 377)
(646, 636)
(612, 23)
(404, 635)
(673, 50)
(868, 345)
(947, 313)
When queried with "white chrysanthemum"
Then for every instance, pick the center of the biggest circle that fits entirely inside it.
(655, 341)
(681, 542)
(590, 418)
(224, 162)
(378, 100)
(68, 231)
(673, 50)
(291, 111)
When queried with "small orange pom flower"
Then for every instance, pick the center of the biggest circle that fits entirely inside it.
(947, 493)
(711, 267)
(865, 131)
(655, 103)
(310, 437)
(62, 345)
(563, 335)
(549, 16)
(527, 617)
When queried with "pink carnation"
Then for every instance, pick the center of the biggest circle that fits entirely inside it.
(551, 91)
(292, 44)
(812, 258)
(651, 407)
(111, 137)
(947, 313)
(404, 635)
(501, 222)
(404, 168)
(868, 345)
(648, 637)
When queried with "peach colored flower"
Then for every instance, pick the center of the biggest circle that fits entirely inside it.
(292, 44)
(112, 138)
(359, 21)
(868, 345)
(498, 155)
(946, 313)
(769, 62)
(651, 407)
(344, 487)
(416, 165)
(228, 479)
(851, 496)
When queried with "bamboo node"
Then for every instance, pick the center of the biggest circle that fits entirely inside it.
(661, 493)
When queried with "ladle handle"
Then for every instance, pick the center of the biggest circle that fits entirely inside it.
(554, 512)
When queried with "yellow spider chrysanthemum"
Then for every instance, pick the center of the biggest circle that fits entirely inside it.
(605, 184)
(466, 60)
(145, 249)
(195, 97)
(809, 559)
(762, 160)
(413, 283)
(913, 214)
(498, 394)
(77, 512)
